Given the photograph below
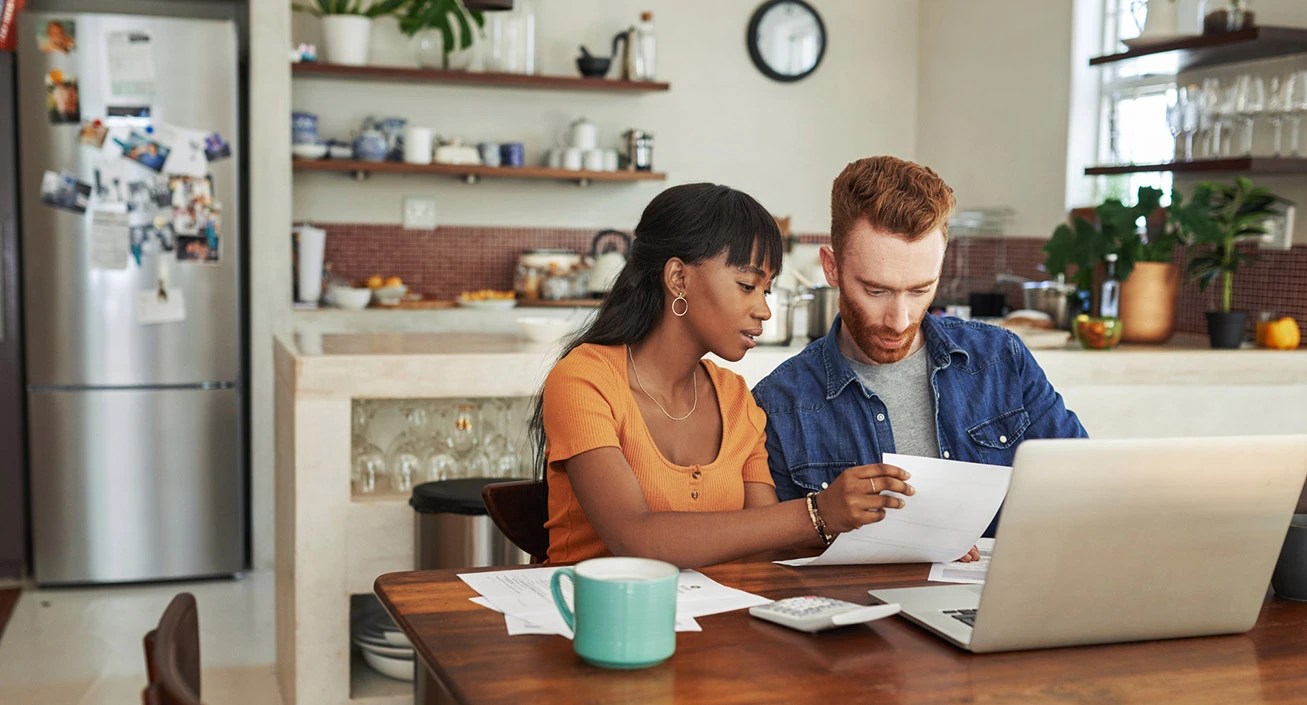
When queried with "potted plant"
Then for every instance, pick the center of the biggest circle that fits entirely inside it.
(347, 26)
(439, 29)
(1149, 293)
(1236, 213)
(1086, 245)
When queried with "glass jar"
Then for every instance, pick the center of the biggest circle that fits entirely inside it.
(512, 36)
(526, 282)
(556, 284)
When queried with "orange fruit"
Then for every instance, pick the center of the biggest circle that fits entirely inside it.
(374, 281)
(394, 282)
(1282, 334)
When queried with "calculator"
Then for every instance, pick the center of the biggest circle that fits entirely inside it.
(811, 613)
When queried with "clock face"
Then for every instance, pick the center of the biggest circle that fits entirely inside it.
(786, 39)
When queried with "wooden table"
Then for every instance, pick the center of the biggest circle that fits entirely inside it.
(740, 659)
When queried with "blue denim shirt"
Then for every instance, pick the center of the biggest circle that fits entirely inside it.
(990, 395)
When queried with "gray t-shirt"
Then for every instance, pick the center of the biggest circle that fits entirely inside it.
(904, 388)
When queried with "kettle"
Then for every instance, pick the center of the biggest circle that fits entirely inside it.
(609, 252)
(627, 58)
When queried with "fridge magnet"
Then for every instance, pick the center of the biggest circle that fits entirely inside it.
(164, 304)
(93, 133)
(186, 150)
(63, 190)
(197, 249)
(144, 151)
(110, 238)
(8, 22)
(61, 98)
(131, 63)
(216, 148)
(57, 37)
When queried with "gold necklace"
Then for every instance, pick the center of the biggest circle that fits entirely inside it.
(694, 375)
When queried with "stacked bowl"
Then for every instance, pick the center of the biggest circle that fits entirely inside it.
(384, 647)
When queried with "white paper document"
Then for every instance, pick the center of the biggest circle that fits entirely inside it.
(110, 238)
(524, 597)
(185, 150)
(131, 64)
(973, 572)
(167, 306)
(953, 504)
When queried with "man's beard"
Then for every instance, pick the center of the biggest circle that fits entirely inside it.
(865, 334)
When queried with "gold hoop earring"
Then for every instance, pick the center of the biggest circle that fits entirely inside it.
(681, 298)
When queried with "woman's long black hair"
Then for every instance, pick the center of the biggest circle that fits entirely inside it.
(695, 222)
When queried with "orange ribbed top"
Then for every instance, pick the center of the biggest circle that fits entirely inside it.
(588, 404)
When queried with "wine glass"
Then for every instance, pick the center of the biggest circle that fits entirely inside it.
(1250, 101)
(406, 451)
(1192, 99)
(465, 431)
(1296, 107)
(1279, 105)
(1228, 115)
(1175, 117)
(368, 463)
(1209, 123)
(440, 462)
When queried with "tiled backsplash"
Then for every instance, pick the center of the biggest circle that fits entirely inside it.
(441, 263)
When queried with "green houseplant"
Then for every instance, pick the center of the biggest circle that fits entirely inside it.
(1085, 245)
(439, 28)
(1236, 214)
(347, 26)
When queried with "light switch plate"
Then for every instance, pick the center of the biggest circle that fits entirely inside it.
(419, 213)
(1279, 228)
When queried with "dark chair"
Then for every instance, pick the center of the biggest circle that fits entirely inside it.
(172, 655)
(519, 509)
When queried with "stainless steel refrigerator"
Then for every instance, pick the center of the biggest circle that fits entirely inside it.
(134, 427)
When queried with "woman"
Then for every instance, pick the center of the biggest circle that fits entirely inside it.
(653, 451)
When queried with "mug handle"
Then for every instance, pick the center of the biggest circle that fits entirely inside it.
(555, 586)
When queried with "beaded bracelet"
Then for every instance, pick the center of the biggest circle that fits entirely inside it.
(817, 524)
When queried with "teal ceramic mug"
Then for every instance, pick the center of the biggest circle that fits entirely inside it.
(625, 615)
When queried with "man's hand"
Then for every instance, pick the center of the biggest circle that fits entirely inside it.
(972, 555)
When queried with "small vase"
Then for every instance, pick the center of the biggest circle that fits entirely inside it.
(346, 39)
(1225, 328)
(1148, 298)
(429, 49)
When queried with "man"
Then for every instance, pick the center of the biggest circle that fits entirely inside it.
(888, 377)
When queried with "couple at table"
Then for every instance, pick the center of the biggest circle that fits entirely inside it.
(650, 450)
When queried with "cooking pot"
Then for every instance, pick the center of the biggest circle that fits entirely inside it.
(779, 329)
(1050, 297)
(823, 305)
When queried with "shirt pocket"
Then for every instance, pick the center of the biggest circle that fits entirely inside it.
(814, 477)
(1001, 432)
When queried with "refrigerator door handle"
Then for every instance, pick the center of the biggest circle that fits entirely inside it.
(7, 235)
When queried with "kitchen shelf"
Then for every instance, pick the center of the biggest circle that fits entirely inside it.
(1205, 50)
(473, 78)
(1245, 165)
(471, 173)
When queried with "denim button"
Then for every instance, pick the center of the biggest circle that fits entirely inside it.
(1002, 439)
(946, 455)
(824, 485)
(880, 417)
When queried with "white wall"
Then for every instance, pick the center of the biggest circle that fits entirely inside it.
(994, 104)
(722, 121)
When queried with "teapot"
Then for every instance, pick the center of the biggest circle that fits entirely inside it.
(609, 251)
(582, 134)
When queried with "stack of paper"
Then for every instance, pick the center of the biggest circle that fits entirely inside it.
(524, 598)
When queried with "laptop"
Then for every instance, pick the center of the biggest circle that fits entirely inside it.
(1105, 541)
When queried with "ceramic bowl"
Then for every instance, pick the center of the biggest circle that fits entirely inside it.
(544, 330)
(309, 151)
(351, 298)
(1097, 332)
(397, 668)
(389, 295)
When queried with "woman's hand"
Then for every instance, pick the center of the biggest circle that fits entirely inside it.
(972, 555)
(854, 498)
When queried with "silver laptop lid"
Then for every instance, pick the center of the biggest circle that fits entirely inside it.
(1122, 540)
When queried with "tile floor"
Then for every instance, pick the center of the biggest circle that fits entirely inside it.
(82, 646)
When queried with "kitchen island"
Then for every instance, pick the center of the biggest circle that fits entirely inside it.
(332, 543)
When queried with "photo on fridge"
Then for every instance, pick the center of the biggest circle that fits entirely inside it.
(198, 250)
(63, 190)
(57, 37)
(144, 151)
(93, 133)
(61, 98)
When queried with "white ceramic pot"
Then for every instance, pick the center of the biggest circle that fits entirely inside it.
(346, 39)
(1161, 19)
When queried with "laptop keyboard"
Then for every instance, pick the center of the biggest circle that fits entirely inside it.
(967, 616)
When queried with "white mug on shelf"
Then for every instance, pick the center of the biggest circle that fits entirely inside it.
(573, 158)
(554, 159)
(594, 160)
(417, 145)
(582, 134)
(610, 160)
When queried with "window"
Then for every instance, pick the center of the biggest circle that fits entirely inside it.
(1133, 105)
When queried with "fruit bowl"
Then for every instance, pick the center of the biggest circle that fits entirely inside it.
(1097, 332)
(389, 295)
